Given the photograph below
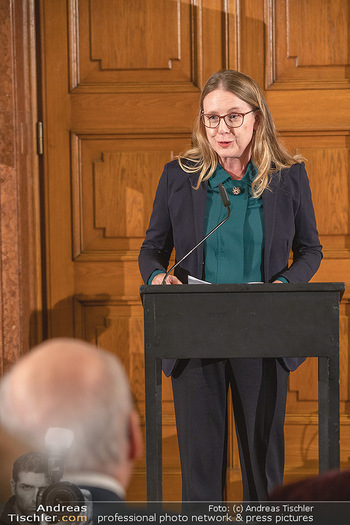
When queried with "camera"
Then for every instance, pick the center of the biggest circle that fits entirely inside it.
(59, 497)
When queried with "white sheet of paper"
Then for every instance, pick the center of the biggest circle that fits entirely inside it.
(194, 280)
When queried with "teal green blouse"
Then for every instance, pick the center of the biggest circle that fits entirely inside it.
(234, 253)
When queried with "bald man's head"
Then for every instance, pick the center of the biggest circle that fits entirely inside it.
(69, 383)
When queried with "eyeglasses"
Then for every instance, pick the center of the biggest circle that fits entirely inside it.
(232, 120)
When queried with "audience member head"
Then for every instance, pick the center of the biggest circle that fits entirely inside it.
(72, 384)
(330, 486)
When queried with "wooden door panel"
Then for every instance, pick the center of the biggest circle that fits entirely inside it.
(327, 164)
(121, 84)
(304, 110)
(307, 44)
(114, 179)
(124, 42)
(146, 45)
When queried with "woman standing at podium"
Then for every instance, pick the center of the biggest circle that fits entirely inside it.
(234, 143)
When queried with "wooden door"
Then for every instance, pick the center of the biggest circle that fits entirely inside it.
(121, 82)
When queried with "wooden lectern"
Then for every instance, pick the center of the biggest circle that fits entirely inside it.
(242, 320)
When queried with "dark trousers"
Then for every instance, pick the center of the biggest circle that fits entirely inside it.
(259, 390)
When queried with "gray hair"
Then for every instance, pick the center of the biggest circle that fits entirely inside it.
(96, 406)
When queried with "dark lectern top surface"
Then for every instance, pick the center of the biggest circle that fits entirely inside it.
(244, 288)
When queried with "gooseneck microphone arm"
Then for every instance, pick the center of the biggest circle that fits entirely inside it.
(226, 203)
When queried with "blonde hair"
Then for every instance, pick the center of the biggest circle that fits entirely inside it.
(268, 153)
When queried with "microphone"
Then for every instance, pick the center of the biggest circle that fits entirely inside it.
(226, 203)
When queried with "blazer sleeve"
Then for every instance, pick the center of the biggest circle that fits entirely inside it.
(306, 247)
(157, 247)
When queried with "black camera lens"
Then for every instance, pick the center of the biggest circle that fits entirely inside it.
(59, 495)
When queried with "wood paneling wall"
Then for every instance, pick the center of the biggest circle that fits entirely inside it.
(121, 83)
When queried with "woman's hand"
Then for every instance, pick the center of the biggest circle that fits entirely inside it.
(171, 279)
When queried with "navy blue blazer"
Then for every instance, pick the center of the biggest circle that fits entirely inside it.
(178, 217)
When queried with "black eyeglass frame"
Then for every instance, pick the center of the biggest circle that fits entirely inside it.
(224, 116)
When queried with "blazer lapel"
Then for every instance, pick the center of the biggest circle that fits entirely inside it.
(199, 201)
(269, 205)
